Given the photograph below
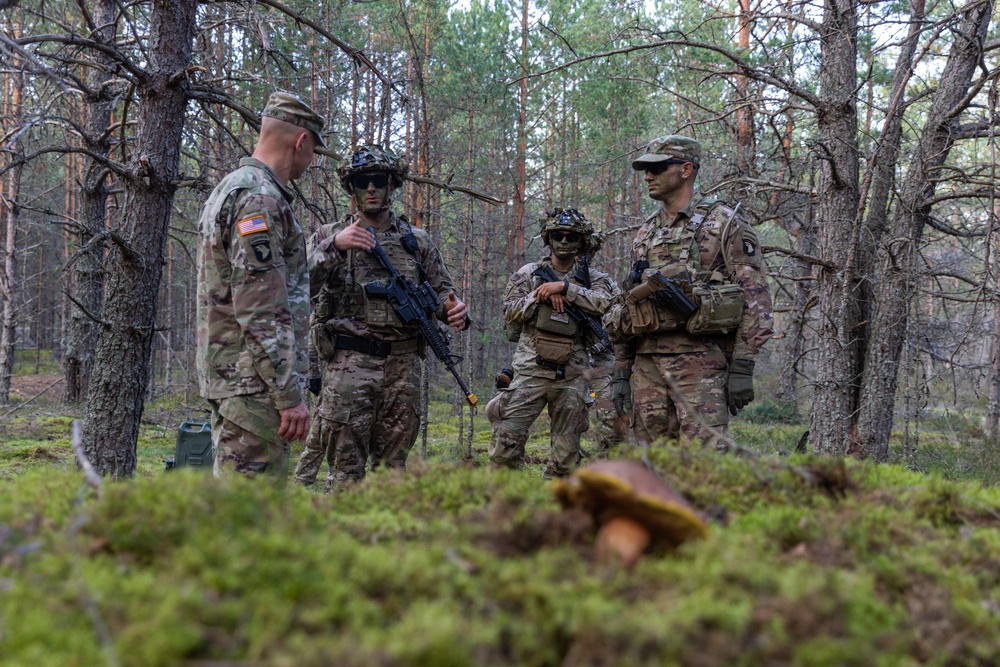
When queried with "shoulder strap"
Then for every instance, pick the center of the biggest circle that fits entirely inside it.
(410, 245)
(725, 231)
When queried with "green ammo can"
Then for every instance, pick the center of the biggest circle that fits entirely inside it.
(194, 446)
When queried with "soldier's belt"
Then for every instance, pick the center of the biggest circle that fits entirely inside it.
(375, 348)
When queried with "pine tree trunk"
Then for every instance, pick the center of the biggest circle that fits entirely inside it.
(121, 367)
(9, 213)
(88, 274)
(835, 394)
(898, 271)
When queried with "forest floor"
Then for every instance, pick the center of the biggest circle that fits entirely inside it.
(27, 387)
(809, 560)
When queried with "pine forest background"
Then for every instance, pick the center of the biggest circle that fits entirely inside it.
(859, 137)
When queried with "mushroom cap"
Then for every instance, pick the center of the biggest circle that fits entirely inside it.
(626, 488)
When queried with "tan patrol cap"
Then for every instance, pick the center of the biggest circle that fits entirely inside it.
(291, 109)
(670, 147)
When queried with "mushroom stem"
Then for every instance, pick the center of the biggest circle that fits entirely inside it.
(623, 538)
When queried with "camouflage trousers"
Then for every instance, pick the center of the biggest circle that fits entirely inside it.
(369, 410)
(610, 429)
(514, 409)
(700, 377)
(245, 438)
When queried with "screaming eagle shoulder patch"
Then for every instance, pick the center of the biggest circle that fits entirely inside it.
(262, 248)
(749, 247)
(255, 236)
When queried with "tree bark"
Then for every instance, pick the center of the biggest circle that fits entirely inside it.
(9, 213)
(835, 395)
(88, 274)
(897, 273)
(121, 367)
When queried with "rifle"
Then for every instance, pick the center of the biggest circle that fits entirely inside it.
(666, 292)
(588, 322)
(416, 305)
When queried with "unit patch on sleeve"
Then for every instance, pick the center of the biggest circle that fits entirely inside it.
(749, 247)
(262, 248)
(252, 225)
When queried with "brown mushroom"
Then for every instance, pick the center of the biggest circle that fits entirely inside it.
(632, 506)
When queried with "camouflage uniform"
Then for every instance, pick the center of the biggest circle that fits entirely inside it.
(514, 409)
(370, 401)
(253, 317)
(611, 430)
(692, 244)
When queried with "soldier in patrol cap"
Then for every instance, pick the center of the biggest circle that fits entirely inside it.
(253, 298)
(552, 365)
(369, 404)
(713, 255)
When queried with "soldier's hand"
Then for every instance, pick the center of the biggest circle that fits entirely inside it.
(740, 384)
(354, 236)
(621, 391)
(457, 312)
(546, 291)
(294, 423)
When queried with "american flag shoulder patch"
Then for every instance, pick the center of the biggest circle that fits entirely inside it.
(252, 225)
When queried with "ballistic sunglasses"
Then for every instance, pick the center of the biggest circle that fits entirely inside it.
(657, 168)
(377, 178)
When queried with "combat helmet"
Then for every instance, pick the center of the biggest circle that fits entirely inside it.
(569, 220)
(372, 157)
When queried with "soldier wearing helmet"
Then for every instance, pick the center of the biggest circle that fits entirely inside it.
(369, 402)
(552, 364)
(708, 356)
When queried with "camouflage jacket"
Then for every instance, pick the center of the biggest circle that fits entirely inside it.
(668, 245)
(253, 290)
(338, 280)
(520, 307)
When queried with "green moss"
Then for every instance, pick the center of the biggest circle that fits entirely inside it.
(809, 561)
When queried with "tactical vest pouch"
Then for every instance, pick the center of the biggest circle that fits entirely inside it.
(720, 310)
(322, 341)
(553, 347)
(378, 311)
(553, 322)
(645, 314)
(512, 331)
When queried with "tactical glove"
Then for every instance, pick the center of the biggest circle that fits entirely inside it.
(315, 385)
(621, 391)
(740, 384)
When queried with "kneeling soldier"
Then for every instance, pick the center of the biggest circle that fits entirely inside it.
(556, 303)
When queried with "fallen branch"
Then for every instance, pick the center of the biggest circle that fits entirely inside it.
(21, 405)
(89, 476)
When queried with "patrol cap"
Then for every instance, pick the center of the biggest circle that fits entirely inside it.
(291, 109)
(670, 147)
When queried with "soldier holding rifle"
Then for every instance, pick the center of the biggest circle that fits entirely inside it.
(696, 308)
(552, 308)
(368, 342)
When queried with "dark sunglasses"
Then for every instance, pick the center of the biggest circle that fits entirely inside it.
(361, 181)
(658, 168)
(565, 237)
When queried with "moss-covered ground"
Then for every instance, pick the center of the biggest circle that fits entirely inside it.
(810, 561)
